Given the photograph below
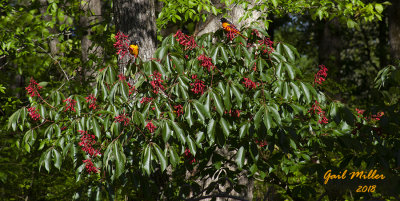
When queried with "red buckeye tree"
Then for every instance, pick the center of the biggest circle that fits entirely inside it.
(176, 112)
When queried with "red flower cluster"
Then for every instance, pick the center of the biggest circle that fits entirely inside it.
(90, 168)
(92, 101)
(189, 156)
(377, 116)
(321, 74)
(232, 33)
(33, 113)
(131, 88)
(198, 86)
(179, 110)
(122, 118)
(87, 142)
(151, 127)
(249, 83)
(233, 113)
(320, 112)
(206, 62)
(359, 111)
(185, 40)
(70, 104)
(157, 81)
(262, 143)
(145, 100)
(255, 31)
(121, 77)
(266, 45)
(33, 88)
(121, 44)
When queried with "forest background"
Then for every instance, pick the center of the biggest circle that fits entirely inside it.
(278, 146)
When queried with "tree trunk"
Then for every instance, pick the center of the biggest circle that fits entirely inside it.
(330, 45)
(394, 30)
(136, 18)
(92, 6)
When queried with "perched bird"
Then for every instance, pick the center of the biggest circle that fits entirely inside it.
(229, 27)
(134, 48)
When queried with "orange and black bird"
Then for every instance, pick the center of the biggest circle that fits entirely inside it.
(134, 48)
(229, 27)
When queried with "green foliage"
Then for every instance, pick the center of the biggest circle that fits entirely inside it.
(230, 112)
(348, 11)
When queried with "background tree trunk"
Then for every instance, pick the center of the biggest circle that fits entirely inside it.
(136, 18)
(394, 30)
(92, 10)
(330, 45)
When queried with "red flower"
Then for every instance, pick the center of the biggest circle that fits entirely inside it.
(189, 156)
(261, 143)
(121, 44)
(87, 142)
(131, 88)
(249, 83)
(145, 100)
(315, 108)
(122, 118)
(70, 104)
(33, 88)
(255, 31)
(198, 86)
(185, 40)
(92, 101)
(179, 110)
(266, 46)
(33, 113)
(90, 168)
(206, 62)
(121, 77)
(321, 74)
(151, 127)
(156, 82)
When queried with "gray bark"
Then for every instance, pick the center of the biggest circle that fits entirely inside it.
(136, 18)
(90, 7)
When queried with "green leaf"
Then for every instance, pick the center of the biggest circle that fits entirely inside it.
(124, 90)
(96, 129)
(290, 71)
(224, 55)
(306, 92)
(13, 120)
(146, 160)
(192, 145)
(174, 158)
(161, 157)
(225, 126)
(240, 157)
(166, 132)
(179, 132)
(119, 159)
(267, 120)
(42, 112)
(47, 160)
(244, 130)
(296, 90)
(257, 117)
(57, 159)
(211, 131)
(188, 114)
(237, 94)
(275, 114)
(227, 97)
(201, 111)
(218, 103)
